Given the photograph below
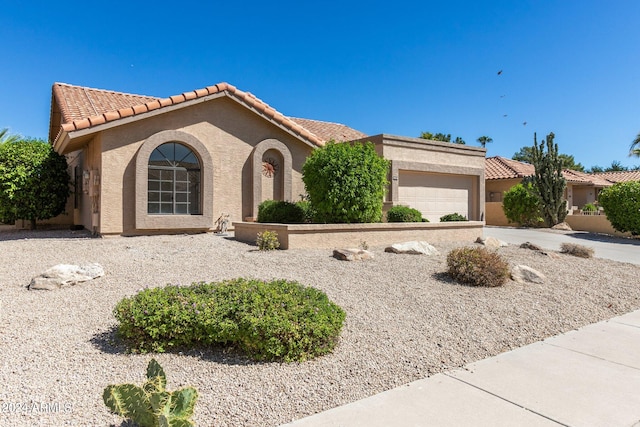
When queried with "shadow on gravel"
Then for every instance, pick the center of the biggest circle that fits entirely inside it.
(605, 238)
(6, 235)
(109, 342)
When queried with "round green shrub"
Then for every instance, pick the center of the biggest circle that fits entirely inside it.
(404, 214)
(346, 182)
(589, 207)
(280, 211)
(477, 267)
(621, 203)
(522, 206)
(277, 320)
(453, 217)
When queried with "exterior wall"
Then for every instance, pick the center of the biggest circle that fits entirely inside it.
(332, 236)
(593, 224)
(495, 214)
(495, 188)
(433, 157)
(228, 131)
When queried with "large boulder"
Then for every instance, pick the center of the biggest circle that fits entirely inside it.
(414, 248)
(63, 275)
(526, 274)
(352, 254)
(562, 226)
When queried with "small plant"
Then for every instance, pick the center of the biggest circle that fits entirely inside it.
(477, 267)
(453, 217)
(280, 211)
(404, 214)
(589, 207)
(364, 245)
(576, 250)
(267, 240)
(151, 405)
(276, 320)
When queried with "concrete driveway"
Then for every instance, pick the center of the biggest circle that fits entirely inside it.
(615, 248)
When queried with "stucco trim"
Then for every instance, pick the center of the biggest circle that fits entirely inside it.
(144, 221)
(258, 152)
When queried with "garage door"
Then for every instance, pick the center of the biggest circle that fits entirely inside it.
(435, 195)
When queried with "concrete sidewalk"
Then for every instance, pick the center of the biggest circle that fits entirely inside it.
(586, 377)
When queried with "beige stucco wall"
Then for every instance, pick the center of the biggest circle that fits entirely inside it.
(593, 224)
(229, 132)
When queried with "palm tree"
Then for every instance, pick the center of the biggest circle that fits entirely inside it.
(484, 140)
(635, 147)
(5, 136)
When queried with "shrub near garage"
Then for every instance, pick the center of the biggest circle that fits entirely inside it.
(477, 267)
(453, 217)
(404, 214)
(277, 320)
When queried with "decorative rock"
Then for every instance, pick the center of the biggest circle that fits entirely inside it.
(491, 242)
(532, 246)
(562, 226)
(414, 248)
(523, 274)
(352, 254)
(63, 275)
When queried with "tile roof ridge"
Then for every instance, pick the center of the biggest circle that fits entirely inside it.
(317, 121)
(103, 90)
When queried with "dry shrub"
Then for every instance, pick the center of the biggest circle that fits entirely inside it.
(477, 267)
(576, 250)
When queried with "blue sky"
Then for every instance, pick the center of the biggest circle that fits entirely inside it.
(570, 67)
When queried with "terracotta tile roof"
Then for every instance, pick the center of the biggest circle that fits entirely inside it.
(503, 168)
(82, 108)
(328, 131)
(622, 176)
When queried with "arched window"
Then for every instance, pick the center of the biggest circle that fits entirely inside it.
(174, 181)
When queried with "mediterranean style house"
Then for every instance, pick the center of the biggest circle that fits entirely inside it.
(502, 174)
(144, 165)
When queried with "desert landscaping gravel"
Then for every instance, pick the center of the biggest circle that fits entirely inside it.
(405, 321)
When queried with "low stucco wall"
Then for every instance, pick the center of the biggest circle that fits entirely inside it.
(495, 214)
(330, 236)
(593, 224)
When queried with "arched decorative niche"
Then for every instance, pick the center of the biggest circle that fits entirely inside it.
(201, 215)
(271, 166)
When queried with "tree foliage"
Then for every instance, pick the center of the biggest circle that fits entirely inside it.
(548, 182)
(346, 183)
(521, 205)
(484, 140)
(621, 203)
(5, 136)
(634, 150)
(34, 183)
(441, 137)
(568, 161)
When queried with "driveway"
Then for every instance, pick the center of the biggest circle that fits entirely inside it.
(609, 247)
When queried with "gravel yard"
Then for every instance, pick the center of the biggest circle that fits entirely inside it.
(405, 321)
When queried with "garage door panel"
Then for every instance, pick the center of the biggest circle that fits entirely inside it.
(435, 195)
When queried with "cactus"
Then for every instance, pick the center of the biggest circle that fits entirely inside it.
(152, 405)
(548, 182)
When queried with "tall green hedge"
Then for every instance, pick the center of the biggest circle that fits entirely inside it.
(621, 203)
(346, 183)
(34, 182)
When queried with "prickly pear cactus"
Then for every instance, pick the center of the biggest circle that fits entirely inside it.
(152, 405)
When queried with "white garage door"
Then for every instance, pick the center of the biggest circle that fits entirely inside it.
(435, 195)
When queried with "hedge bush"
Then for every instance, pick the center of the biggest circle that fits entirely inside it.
(477, 267)
(280, 211)
(521, 205)
(277, 320)
(453, 217)
(621, 203)
(346, 183)
(404, 214)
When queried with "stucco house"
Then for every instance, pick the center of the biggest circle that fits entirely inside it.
(502, 174)
(145, 165)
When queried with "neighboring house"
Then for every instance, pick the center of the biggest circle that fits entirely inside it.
(501, 174)
(146, 165)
